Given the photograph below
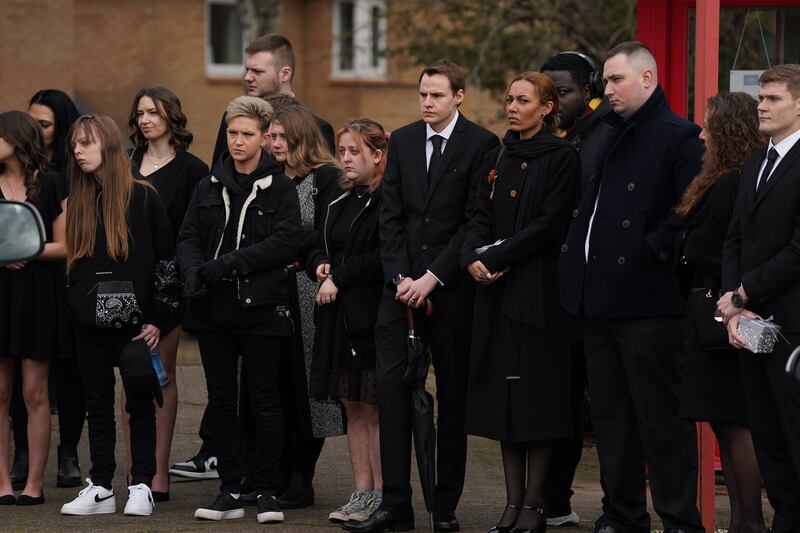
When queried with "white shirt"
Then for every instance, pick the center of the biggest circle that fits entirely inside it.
(591, 221)
(445, 134)
(782, 148)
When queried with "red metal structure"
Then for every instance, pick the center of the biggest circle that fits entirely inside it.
(664, 26)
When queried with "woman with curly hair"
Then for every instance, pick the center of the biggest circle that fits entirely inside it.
(730, 132)
(28, 318)
(158, 131)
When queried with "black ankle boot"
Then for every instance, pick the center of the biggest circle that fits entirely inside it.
(298, 494)
(69, 471)
(19, 469)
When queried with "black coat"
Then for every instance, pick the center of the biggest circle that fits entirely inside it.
(717, 370)
(174, 182)
(221, 144)
(706, 226)
(519, 328)
(326, 184)
(422, 226)
(359, 277)
(642, 175)
(762, 248)
(589, 136)
(268, 242)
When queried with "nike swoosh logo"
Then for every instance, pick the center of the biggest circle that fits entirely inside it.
(98, 499)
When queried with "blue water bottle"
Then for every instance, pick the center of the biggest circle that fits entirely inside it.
(158, 366)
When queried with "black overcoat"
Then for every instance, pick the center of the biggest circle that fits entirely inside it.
(641, 177)
(717, 370)
(519, 377)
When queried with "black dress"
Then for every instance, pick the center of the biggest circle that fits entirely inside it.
(29, 320)
(519, 376)
(712, 382)
(175, 183)
(343, 364)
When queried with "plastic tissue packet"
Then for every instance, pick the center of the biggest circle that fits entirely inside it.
(760, 335)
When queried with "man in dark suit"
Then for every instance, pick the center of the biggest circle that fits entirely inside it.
(581, 114)
(269, 70)
(617, 272)
(428, 195)
(761, 274)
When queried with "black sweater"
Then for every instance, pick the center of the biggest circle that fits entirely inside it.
(150, 265)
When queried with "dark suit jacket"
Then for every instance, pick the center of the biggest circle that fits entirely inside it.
(642, 172)
(762, 249)
(422, 227)
(221, 145)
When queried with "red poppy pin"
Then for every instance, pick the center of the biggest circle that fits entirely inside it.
(490, 179)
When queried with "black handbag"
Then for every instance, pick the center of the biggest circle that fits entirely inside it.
(713, 334)
(104, 305)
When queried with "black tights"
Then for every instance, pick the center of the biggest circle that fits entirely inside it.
(520, 461)
(742, 476)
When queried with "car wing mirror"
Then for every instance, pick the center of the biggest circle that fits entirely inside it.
(21, 232)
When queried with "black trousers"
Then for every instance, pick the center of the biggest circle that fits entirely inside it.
(634, 369)
(261, 364)
(98, 353)
(567, 452)
(773, 405)
(449, 335)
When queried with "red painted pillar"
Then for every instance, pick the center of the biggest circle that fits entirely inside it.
(706, 71)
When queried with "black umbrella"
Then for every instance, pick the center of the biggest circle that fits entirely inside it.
(793, 364)
(415, 375)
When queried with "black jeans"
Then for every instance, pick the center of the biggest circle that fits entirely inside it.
(98, 353)
(261, 364)
(448, 332)
(635, 373)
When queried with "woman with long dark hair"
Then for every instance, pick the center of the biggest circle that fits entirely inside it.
(519, 377)
(161, 157)
(28, 318)
(122, 291)
(730, 132)
(55, 112)
(297, 143)
(347, 264)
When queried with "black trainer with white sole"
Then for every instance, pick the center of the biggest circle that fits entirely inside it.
(224, 507)
(269, 512)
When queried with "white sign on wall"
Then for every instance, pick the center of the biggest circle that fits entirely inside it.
(745, 81)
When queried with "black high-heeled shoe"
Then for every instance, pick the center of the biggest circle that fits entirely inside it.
(505, 529)
(541, 527)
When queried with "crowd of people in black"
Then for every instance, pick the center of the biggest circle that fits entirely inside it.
(592, 245)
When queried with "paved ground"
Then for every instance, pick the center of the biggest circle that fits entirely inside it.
(484, 494)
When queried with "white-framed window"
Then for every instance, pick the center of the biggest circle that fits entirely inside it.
(225, 39)
(359, 39)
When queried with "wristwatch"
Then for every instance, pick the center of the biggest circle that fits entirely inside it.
(398, 279)
(737, 300)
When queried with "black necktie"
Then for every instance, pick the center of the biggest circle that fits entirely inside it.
(436, 156)
(772, 156)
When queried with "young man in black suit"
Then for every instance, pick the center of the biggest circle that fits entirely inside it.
(617, 272)
(761, 273)
(428, 196)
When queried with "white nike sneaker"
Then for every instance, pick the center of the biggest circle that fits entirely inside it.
(140, 501)
(94, 499)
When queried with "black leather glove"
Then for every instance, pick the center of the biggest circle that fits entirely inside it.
(193, 287)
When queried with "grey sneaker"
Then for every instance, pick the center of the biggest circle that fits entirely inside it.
(371, 505)
(352, 510)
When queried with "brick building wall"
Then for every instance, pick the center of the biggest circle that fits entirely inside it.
(102, 52)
